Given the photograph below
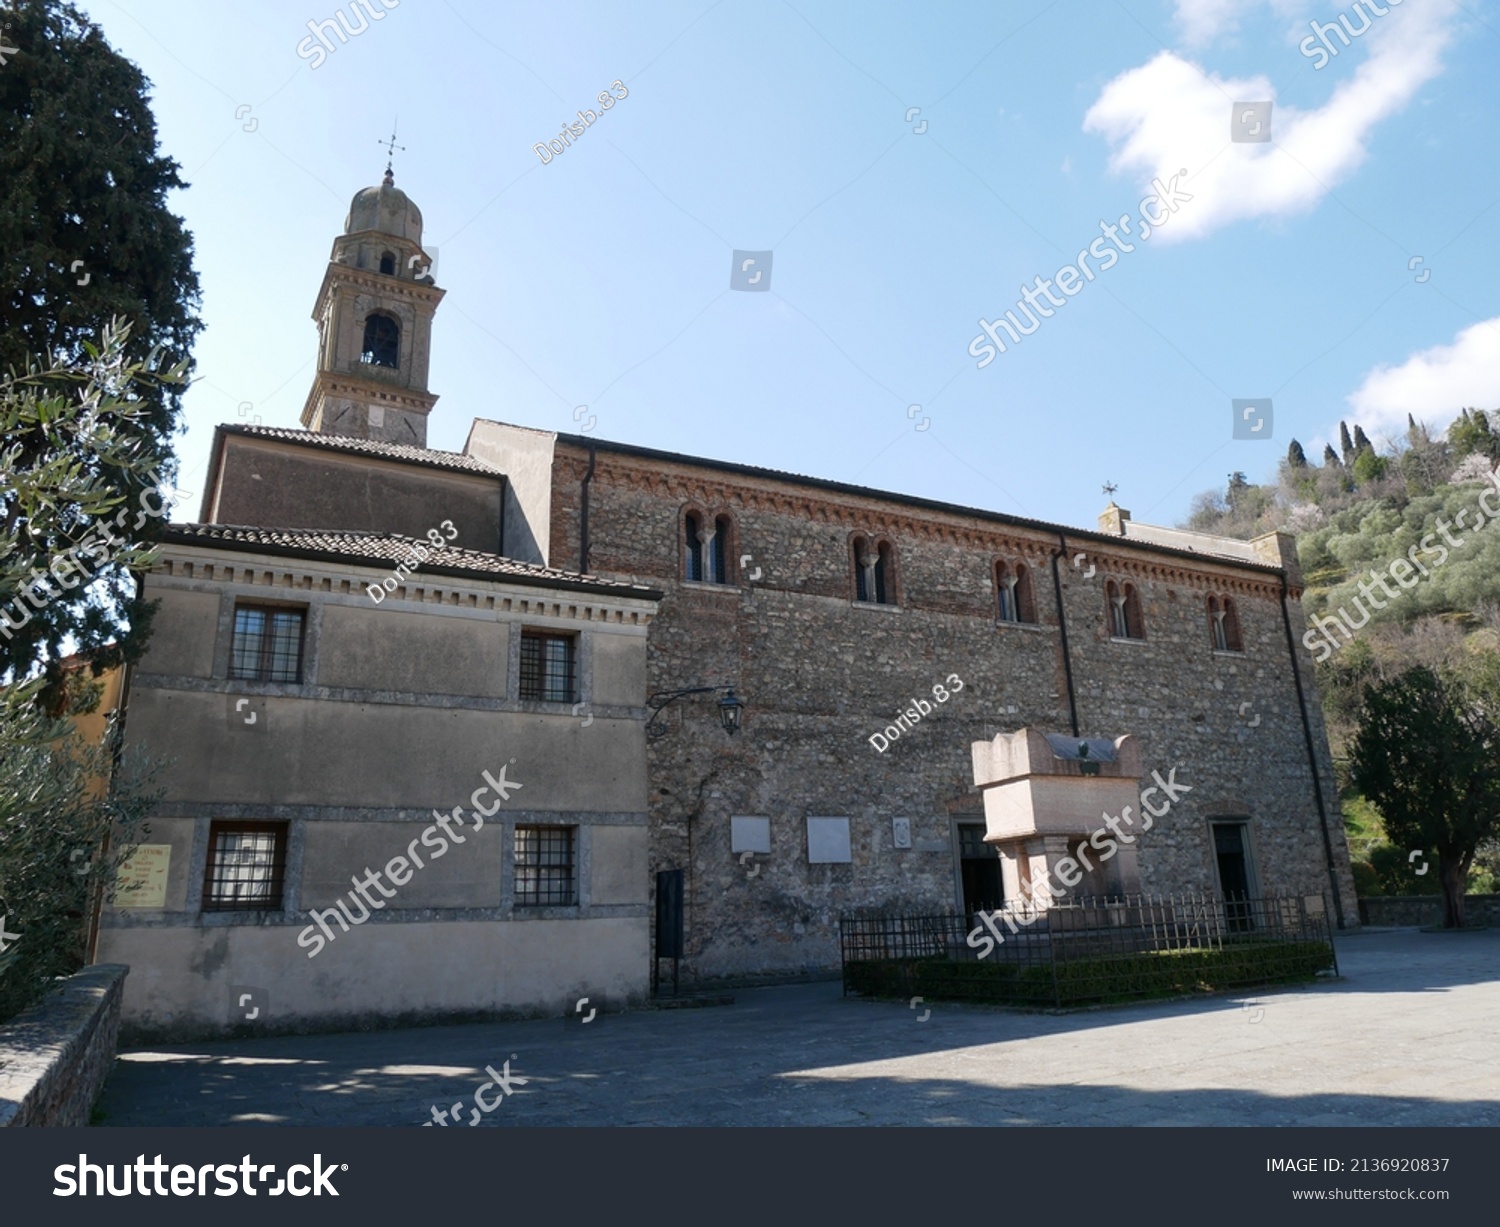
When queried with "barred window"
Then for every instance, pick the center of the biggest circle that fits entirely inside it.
(549, 666)
(267, 645)
(545, 861)
(246, 866)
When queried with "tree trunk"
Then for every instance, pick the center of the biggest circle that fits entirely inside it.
(1455, 876)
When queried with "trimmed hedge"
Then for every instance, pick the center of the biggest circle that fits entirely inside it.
(1124, 977)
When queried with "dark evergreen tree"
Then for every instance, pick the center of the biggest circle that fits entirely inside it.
(1331, 457)
(1295, 456)
(83, 199)
(1362, 441)
(1470, 433)
(1428, 755)
(1346, 444)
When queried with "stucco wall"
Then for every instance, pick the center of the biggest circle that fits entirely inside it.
(281, 485)
(189, 980)
(401, 712)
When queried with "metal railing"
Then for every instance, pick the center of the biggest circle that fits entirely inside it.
(1088, 950)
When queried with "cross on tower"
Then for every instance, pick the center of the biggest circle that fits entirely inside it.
(1110, 487)
(390, 154)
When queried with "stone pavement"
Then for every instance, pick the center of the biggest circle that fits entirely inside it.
(1408, 1037)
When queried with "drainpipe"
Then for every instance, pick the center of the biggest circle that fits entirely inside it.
(1062, 625)
(583, 516)
(1312, 757)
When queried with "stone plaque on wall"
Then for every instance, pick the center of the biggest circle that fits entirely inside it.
(901, 832)
(143, 877)
(828, 841)
(748, 834)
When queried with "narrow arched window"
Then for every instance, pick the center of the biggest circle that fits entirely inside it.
(692, 547)
(718, 569)
(1005, 592)
(1124, 611)
(1232, 640)
(388, 264)
(874, 571)
(382, 346)
(885, 591)
(1224, 625)
(1025, 599)
(1013, 593)
(1216, 630)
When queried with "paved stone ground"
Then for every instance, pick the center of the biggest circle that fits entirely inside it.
(1409, 1037)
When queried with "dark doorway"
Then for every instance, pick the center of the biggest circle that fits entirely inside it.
(979, 869)
(1231, 848)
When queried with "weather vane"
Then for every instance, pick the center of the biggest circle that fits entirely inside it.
(1110, 487)
(390, 151)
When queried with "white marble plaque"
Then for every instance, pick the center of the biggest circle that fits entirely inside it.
(749, 834)
(828, 841)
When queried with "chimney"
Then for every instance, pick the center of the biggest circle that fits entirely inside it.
(1112, 520)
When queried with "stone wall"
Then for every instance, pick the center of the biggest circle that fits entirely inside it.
(820, 673)
(1396, 911)
(55, 1057)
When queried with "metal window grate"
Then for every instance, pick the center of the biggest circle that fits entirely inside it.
(246, 866)
(548, 666)
(267, 645)
(544, 867)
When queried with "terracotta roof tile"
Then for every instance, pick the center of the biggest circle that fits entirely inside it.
(431, 457)
(387, 549)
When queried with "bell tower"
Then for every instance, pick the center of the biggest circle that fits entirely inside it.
(374, 316)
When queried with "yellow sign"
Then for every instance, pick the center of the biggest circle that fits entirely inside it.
(143, 877)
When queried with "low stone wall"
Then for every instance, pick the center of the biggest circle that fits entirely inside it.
(55, 1056)
(1395, 911)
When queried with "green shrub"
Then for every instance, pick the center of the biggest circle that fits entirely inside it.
(1240, 963)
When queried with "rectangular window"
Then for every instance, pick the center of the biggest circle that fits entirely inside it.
(246, 866)
(545, 875)
(549, 666)
(267, 645)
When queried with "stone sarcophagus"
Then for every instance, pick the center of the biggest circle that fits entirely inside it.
(1054, 805)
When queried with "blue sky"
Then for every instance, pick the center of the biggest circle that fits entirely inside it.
(602, 279)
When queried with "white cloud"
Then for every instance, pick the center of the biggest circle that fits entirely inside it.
(1202, 21)
(1171, 114)
(1433, 384)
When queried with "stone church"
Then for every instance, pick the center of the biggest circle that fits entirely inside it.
(572, 664)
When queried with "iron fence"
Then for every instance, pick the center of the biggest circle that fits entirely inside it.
(1079, 951)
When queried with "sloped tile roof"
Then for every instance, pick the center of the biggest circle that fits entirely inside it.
(387, 549)
(431, 457)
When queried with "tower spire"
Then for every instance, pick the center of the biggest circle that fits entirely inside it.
(390, 153)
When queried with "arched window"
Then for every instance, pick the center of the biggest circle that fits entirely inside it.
(1013, 593)
(692, 547)
(873, 571)
(382, 345)
(718, 552)
(706, 548)
(1124, 611)
(388, 264)
(1224, 625)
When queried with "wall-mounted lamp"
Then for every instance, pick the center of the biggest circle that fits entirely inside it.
(731, 708)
